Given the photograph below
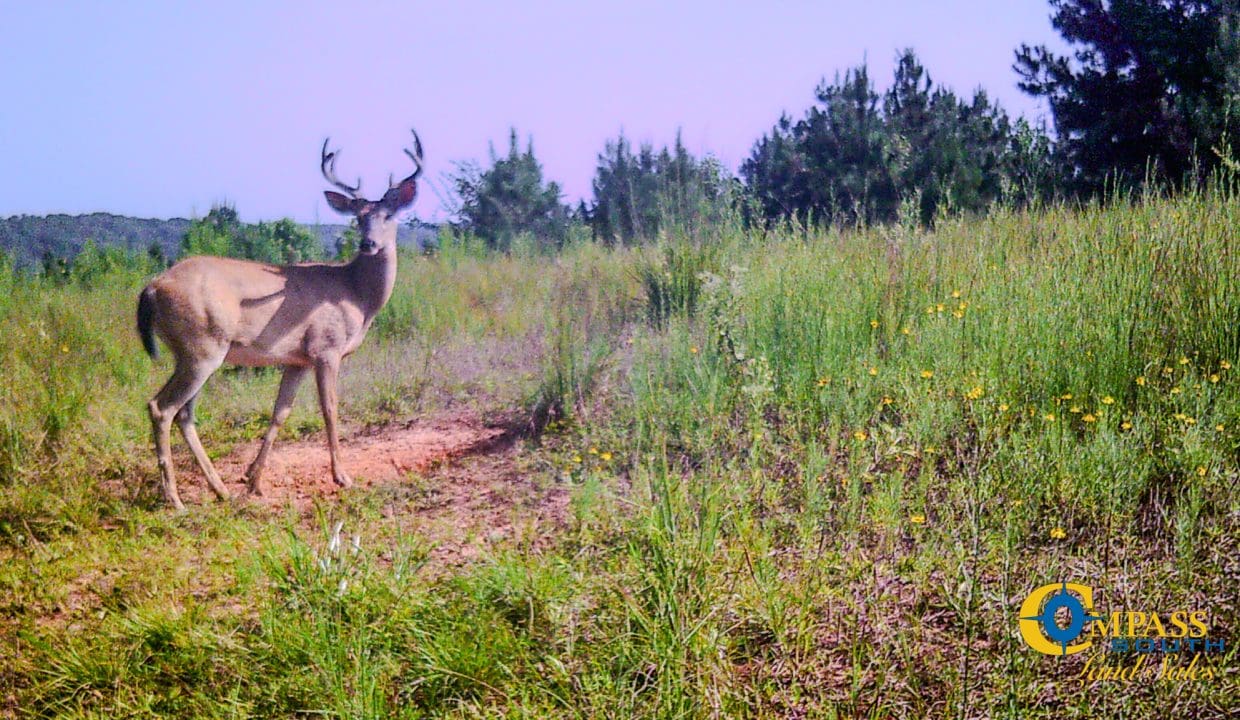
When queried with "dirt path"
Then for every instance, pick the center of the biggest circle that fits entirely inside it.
(297, 472)
(457, 481)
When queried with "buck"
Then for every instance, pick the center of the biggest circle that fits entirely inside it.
(308, 316)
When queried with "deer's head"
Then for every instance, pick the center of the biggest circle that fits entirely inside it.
(376, 219)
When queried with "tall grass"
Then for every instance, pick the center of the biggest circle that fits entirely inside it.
(812, 476)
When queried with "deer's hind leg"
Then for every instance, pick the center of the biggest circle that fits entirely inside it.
(186, 381)
(185, 420)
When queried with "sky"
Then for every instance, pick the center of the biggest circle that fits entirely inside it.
(157, 109)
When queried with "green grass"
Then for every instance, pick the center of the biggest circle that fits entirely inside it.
(811, 475)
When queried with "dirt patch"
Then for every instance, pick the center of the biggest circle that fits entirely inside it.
(298, 472)
(458, 482)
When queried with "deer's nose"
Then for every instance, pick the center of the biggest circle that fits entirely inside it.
(368, 246)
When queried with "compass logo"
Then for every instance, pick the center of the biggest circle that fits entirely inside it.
(1040, 627)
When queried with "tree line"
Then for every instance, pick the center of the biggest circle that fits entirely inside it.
(82, 247)
(1149, 95)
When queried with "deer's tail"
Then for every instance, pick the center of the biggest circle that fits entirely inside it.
(146, 321)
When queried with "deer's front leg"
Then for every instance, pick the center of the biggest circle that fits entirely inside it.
(325, 372)
(284, 405)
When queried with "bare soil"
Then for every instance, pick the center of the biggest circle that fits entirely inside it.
(298, 471)
(456, 480)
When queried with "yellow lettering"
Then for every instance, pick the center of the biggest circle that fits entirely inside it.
(1180, 624)
(1132, 670)
(1197, 669)
(1197, 619)
(1107, 629)
(1097, 669)
(1136, 624)
(1087, 671)
(1156, 626)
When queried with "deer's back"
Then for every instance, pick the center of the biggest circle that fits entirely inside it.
(262, 314)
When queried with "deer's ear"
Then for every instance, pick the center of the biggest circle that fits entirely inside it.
(340, 203)
(399, 197)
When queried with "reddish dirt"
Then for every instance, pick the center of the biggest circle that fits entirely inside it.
(457, 482)
(299, 472)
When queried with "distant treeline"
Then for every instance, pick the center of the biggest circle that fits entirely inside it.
(51, 242)
(1149, 95)
(29, 239)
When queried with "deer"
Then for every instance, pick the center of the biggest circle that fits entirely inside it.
(304, 317)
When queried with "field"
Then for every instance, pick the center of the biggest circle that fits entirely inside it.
(783, 474)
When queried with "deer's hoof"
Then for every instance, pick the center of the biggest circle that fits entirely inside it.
(342, 480)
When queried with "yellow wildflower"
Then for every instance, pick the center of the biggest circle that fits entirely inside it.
(1075, 409)
(1176, 391)
(693, 350)
(940, 307)
(1125, 425)
(1057, 533)
(577, 459)
(1089, 418)
(1220, 427)
(1214, 378)
(873, 371)
(1108, 400)
(1225, 365)
(1141, 381)
(905, 330)
(927, 374)
(1183, 361)
(917, 519)
(874, 323)
(957, 314)
(1048, 417)
(1003, 407)
(606, 457)
(930, 449)
(1201, 470)
(1066, 396)
(955, 293)
(887, 400)
(975, 393)
(594, 451)
(860, 435)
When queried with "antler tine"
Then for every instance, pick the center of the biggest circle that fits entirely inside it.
(328, 166)
(416, 156)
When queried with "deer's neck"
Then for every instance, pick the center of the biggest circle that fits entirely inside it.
(373, 278)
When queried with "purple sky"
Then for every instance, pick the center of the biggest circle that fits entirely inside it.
(142, 109)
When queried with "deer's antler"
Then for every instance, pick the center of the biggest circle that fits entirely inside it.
(416, 156)
(328, 166)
